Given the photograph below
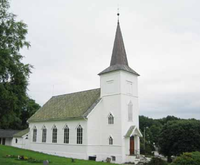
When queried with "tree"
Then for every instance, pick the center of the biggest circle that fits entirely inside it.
(179, 136)
(192, 158)
(30, 108)
(156, 161)
(13, 73)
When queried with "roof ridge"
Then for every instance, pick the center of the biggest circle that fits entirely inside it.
(75, 92)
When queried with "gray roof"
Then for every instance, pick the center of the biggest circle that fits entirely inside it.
(21, 133)
(133, 129)
(119, 59)
(8, 133)
(68, 106)
(130, 130)
(118, 67)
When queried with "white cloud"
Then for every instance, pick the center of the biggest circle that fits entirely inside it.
(72, 42)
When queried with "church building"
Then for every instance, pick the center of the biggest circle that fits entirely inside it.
(98, 123)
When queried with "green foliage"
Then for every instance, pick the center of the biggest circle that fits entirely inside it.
(147, 149)
(179, 136)
(30, 108)
(13, 73)
(157, 161)
(192, 158)
(152, 129)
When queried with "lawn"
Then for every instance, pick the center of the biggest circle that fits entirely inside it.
(54, 160)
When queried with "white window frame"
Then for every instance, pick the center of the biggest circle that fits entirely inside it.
(79, 135)
(44, 134)
(34, 134)
(110, 140)
(54, 134)
(66, 134)
(110, 119)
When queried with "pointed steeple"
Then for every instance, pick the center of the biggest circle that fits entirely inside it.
(119, 52)
(119, 59)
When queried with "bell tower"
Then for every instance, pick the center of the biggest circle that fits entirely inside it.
(119, 94)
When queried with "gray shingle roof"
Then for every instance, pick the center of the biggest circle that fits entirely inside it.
(119, 59)
(8, 133)
(133, 129)
(21, 133)
(68, 106)
(118, 67)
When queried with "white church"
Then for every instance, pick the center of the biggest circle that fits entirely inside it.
(94, 124)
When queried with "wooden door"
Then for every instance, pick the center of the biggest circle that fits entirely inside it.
(4, 141)
(132, 145)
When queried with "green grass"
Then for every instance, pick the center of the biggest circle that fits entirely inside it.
(55, 160)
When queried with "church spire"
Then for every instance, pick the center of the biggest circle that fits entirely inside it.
(119, 52)
(118, 60)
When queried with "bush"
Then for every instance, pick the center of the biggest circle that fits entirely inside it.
(157, 161)
(188, 158)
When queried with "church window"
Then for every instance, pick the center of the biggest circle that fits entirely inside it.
(16, 140)
(44, 134)
(34, 134)
(54, 134)
(110, 140)
(66, 134)
(79, 135)
(110, 119)
(130, 111)
(113, 158)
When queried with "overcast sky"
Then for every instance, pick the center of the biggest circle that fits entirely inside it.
(72, 40)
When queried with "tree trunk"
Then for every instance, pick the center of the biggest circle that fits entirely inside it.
(169, 159)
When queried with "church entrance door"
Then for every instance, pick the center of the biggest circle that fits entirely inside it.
(132, 145)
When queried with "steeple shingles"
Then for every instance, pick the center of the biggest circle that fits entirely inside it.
(119, 52)
(119, 59)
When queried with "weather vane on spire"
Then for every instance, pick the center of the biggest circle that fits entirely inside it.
(118, 14)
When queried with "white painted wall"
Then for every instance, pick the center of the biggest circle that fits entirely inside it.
(22, 142)
(100, 131)
(8, 141)
(124, 89)
(60, 148)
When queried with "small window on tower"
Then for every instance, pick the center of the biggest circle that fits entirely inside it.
(110, 119)
(109, 86)
(130, 111)
(129, 86)
(110, 140)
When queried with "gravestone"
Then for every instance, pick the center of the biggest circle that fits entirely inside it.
(46, 162)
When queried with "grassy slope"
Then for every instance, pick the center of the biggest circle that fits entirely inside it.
(7, 150)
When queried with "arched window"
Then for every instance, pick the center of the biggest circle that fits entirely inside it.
(110, 140)
(110, 119)
(130, 111)
(54, 134)
(44, 134)
(16, 140)
(34, 134)
(79, 135)
(66, 134)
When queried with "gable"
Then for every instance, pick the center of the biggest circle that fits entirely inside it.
(68, 106)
